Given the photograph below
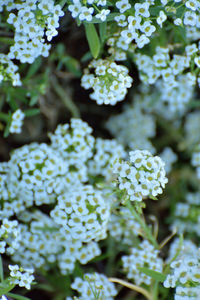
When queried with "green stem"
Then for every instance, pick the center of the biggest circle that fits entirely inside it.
(1, 270)
(145, 228)
(154, 291)
(4, 117)
(132, 287)
(65, 98)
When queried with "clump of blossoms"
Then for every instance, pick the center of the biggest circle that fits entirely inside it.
(144, 176)
(143, 256)
(83, 213)
(32, 21)
(152, 100)
(133, 127)
(74, 143)
(186, 214)
(10, 236)
(185, 276)
(8, 71)
(123, 226)
(105, 153)
(176, 81)
(181, 247)
(57, 176)
(109, 81)
(16, 121)
(20, 276)
(94, 286)
(89, 9)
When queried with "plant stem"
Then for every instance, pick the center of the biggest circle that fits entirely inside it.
(132, 287)
(154, 290)
(65, 98)
(142, 223)
(1, 269)
(4, 117)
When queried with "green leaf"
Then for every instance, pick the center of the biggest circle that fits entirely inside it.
(18, 297)
(34, 99)
(87, 56)
(153, 274)
(31, 112)
(93, 39)
(72, 65)
(152, 197)
(7, 129)
(1, 269)
(6, 287)
(103, 31)
(34, 68)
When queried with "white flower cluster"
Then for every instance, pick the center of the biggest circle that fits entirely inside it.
(143, 256)
(20, 276)
(109, 81)
(105, 153)
(144, 176)
(74, 143)
(192, 125)
(133, 127)
(138, 22)
(153, 100)
(8, 71)
(184, 260)
(92, 285)
(187, 215)
(83, 213)
(43, 243)
(123, 227)
(190, 16)
(89, 9)
(178, 87)
(169, 158)
(16, 121)
(185, 277)
(9, 236)
(135, 25)
(196, 159)
(33, 21)
(56, 176)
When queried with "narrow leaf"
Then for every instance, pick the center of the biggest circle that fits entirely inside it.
(34, 68)
(6, 287)
(93, 39)
(18, 297)
(103, 31)
(153, 274)
(31, 112)
(1, 269)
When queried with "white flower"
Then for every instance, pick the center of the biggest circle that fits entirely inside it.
(103, 14)
(190, 18)
(197, 61)
(123, 5)
(161, 19)
(147, 28)
(178, 21)
(142, 9)
(86, 13)
(16, 121)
